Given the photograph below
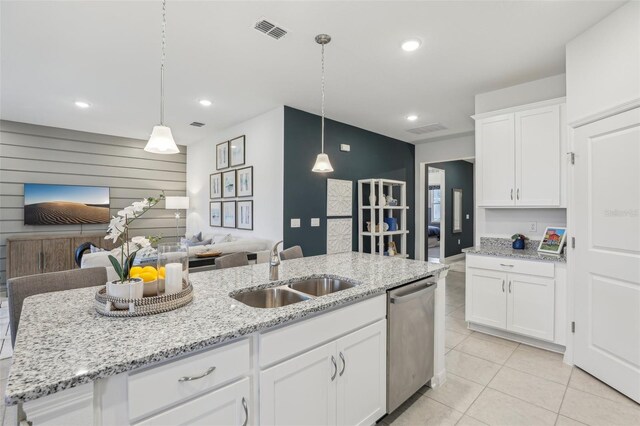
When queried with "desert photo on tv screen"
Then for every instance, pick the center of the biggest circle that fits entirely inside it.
(65, 204)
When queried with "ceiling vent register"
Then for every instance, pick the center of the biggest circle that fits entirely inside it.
(270, 29)
(429, 128)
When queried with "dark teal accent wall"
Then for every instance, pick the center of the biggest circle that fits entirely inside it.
(458, 174)
(305, 193)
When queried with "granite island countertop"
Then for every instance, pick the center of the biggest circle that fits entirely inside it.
(501, 247)
(63, 342)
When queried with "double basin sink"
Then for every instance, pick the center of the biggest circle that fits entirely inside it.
(297, 291)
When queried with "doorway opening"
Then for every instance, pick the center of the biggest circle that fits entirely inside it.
(435, 214)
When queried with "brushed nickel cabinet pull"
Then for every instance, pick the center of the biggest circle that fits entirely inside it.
(344, 364)
(246, 411)
(335, 368)
(190, 378)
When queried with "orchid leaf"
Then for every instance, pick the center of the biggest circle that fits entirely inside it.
(116, 266)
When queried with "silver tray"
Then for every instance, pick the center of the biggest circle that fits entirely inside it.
(106, 305)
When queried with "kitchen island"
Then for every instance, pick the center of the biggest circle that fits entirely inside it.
(73, 366)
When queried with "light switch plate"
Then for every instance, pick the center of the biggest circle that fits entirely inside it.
(295, 223)
(467, 216)
(345, 147)
(315, 221)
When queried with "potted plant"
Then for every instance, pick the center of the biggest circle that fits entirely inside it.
(518, 241)
(128, 287)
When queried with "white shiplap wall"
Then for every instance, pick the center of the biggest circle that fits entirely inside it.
(38, 154)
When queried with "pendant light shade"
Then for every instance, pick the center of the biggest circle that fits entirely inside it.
(161, 141)
(322, 165)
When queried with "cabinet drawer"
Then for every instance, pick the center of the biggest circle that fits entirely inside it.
(158, 387)
(509, 265)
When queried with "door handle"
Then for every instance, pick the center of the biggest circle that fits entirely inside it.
(344, 364)
(405, 298)
(512, 194)
(335, 368)
(503, 286)
(190, 378)
(246, 411)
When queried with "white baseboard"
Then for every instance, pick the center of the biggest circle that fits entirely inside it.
(553, 347)
(455, 257)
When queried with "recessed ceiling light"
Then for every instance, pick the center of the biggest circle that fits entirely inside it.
(205, 102)
(81, 104)
(411, 45)
(412, 117)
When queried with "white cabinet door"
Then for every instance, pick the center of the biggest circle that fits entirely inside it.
(225, 407)
(538, 157)
(496, 160)
(362, 378)
(530, 306)
(302, 390)
(486, 297)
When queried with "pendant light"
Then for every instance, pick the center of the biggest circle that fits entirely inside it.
(161, 140)
(322, 165)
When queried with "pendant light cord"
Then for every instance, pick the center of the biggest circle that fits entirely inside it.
(164, 30)
(322, 99)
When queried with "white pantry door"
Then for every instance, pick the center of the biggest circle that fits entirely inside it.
(607, 253)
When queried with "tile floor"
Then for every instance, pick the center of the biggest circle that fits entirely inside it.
(492, 381)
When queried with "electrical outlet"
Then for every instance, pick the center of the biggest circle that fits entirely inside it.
(344, 147)
(458, 241)
(467, 216)
(533, 227)
(315, 221)
(295, 223)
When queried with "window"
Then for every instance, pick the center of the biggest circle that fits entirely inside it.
(434, 201)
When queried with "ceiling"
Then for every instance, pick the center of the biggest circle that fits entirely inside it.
(107, 53)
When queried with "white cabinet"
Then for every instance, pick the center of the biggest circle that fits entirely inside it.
(520, 158)
(362, 378)
(227, 406)
(496, 147)
(519, 296)
(341, 382)
(486, 291)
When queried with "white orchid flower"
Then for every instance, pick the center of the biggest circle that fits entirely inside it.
(139, 206)
(116, 224)
(127, 212)
(141, 241)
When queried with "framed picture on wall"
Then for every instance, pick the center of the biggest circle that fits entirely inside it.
(245, 182)
(228, 214)
(215, 213)
(229, 184)
(222, 155)
(236, 151)
(215, 185)
(553, 240)
(245, 214)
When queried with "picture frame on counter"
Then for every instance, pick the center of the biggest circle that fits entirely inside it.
(553, 240)
(229, 184)
(245, 182)
(237, 151)
(215, 213)
(228, 214)
(245, 214)
(215, 185)
(222, 155)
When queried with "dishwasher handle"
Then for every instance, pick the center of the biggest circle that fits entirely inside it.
(426, 288)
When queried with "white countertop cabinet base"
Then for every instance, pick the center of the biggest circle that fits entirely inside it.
(518, 298)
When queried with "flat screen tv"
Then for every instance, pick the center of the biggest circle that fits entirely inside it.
(65, 204)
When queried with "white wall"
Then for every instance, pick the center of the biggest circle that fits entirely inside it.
(265, 152)
(525, 93)
(603, 65)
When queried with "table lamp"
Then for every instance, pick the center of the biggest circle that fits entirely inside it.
(177, 204)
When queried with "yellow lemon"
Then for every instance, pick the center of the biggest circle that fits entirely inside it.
(148, 276)
(149, 269)
(161, 272)
(135, 270)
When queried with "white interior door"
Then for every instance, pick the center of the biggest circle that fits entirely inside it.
(607, 253)
(496, 160)
(538, 157)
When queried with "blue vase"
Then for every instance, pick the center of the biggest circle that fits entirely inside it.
(392, 222)
(518, 244)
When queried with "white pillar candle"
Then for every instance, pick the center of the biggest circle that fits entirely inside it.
(173, 278)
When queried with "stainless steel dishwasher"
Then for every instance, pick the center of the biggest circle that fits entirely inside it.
(410, 345)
